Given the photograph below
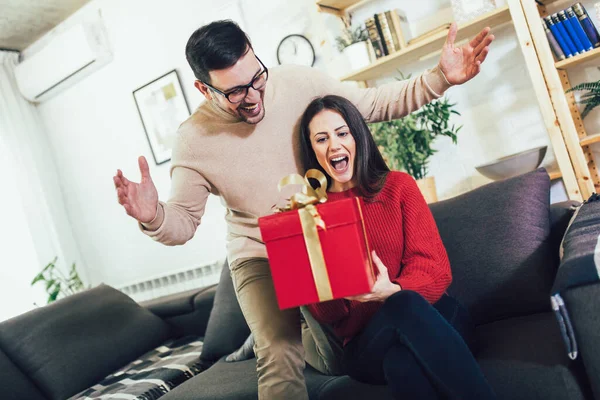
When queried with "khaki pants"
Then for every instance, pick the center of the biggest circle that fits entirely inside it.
(277, 333)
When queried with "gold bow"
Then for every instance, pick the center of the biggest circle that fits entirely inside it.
(304, 201)
(308, 195)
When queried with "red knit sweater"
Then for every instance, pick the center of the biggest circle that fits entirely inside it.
(403, 233)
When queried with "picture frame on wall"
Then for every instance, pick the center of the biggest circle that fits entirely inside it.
(162, 107)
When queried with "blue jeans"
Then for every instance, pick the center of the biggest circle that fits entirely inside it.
(418, 350)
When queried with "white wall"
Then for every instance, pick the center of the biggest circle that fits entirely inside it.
(19, 253)
(37, 228)
(94, 127)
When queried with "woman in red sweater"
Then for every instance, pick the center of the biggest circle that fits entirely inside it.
(407, 332)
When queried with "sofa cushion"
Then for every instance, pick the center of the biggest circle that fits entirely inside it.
(68, 346)
(498, 241)
(524, 358)
(151, 375)
(346, 388)
(224, 380)
(227, 328)
(237, 380)
(14, 384)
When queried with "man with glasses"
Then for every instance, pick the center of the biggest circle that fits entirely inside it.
(239, 144)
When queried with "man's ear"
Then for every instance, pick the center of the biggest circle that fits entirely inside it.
(203, 89)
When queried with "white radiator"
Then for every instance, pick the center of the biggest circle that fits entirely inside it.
(174, 282)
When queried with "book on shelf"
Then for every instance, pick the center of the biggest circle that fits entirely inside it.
(401, 26)
(549, 28)
(374, 37)
(577, 29)
(393, 33)
(587, 24)
(570, 32)
(387, 32)
(384, 33)
(566, 39)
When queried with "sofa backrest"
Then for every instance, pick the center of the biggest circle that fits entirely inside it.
(15, 385)
(70, 345)
(227, 328)
(499, 243)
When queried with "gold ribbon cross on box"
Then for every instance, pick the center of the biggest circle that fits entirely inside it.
(304, 201)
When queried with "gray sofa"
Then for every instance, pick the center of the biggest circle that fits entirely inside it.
(502, 240)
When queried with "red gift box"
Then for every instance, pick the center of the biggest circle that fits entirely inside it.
(326, 264)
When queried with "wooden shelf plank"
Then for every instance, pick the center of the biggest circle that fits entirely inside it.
(555, 174)
(338, 4)
(546, 2)
(387, 65)
(581, 58)
(589, 139)
(340, 7)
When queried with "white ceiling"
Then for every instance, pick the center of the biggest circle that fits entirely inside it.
(22, 22)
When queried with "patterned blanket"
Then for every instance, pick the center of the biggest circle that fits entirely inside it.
(579, 265)
(152, 375)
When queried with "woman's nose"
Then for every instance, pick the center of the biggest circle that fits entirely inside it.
(334, 144)
(335, 139)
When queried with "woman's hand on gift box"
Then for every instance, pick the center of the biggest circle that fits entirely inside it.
(383, 287)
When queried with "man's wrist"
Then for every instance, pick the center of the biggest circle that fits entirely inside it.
(156, 222)
(436, 81)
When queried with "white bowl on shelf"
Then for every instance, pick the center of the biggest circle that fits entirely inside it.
(514, 164)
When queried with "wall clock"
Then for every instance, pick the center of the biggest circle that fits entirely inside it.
(296, 49)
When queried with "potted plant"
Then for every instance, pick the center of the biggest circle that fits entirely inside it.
(353, 44)
(406, 144)
(57, 284)
(591, 99)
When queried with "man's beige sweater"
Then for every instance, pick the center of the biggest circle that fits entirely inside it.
(217, 153)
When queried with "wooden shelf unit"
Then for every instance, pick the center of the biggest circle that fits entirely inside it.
(535, 69)
(566, 110)
(589, 139)
(561, 117)
(579, 59)
(554, 174)
(425, 48)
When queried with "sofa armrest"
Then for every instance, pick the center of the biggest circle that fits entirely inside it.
(187, 312)
(583, 303)
(576, 290)
(560, 216)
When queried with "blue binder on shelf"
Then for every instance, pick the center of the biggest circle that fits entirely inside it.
(563, 32)
(578, 29)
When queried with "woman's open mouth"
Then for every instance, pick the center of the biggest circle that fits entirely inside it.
(340, 164)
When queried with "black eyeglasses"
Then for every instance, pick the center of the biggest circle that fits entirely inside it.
(239, 93)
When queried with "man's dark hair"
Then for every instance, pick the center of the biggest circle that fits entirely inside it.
(218, 45)
(370, 168)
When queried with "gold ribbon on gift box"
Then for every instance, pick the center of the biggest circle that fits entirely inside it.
(304, 201)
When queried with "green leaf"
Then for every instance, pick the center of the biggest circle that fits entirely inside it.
(585, 86)
(588, 108)
(54, 294)
(407, 143)
(38, 277)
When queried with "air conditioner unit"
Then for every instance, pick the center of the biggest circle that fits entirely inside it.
(67, 56)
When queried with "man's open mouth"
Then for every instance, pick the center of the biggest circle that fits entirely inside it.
(251, 110)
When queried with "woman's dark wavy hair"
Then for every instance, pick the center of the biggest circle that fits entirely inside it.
(370, 169)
